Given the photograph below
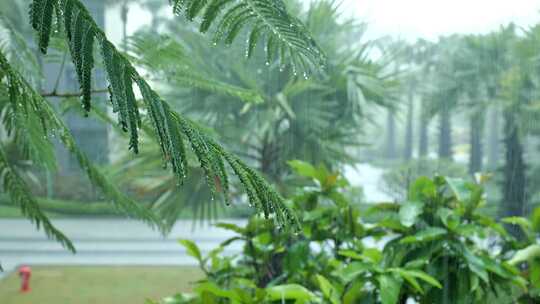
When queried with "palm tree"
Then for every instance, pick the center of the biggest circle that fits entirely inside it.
(519, 90)
(471, 71)
(454, 86)
(425, 58)
(418, 60)
(495, 60)
(280, 116)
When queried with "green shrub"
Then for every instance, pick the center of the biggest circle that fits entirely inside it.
(434, 247)
(397, 181)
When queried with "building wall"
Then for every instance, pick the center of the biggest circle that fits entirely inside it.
(90, 134)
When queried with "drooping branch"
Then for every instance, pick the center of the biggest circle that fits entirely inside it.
(173, 130)
(72, 94)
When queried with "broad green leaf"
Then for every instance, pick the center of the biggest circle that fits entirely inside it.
(449, 218)
(475, 264)
(330, 180)
(410, 279)
(329, 291)
(418, 274)
(417, 263)
(231, 227)
(354, 293)
(373, 255)
(351, 271)
(527, 254)
(218, 291)
(496, 267)
(423, 188)
(289, 292)
(535, 219)
(426, 235)
(351, 254)
(522, 222)
(409, 212)
(469, 230)
(264, 238)
(302, 168)
(191, 249)
(390, 288)
(459, 188)
(534, 273)
(282, 100)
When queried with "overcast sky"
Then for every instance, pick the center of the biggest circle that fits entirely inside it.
(408, 19)
(411, 19)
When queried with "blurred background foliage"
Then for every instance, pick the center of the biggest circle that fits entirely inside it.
(458, 106)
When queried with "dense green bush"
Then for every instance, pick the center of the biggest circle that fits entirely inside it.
(397, 181)
(434, 247)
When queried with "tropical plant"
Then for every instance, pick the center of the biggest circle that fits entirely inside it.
(518, 91)
(397, 181)
(442, 227)
(434, 247)
(272, 261)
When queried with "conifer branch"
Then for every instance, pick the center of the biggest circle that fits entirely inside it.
(73, 94)
(286, 38)
(172, 129)
(24, 100)
(20, 195)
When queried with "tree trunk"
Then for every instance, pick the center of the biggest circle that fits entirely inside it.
(391, 151)
(124, 10)
(493, 152)
(423, 140)
(476, 154)
(514, 182)
(408, 151)
(445, 134)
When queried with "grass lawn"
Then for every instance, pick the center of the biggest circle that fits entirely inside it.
(99, 285)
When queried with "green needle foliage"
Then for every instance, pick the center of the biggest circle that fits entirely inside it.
(285, 37)
(20, 195)
(23, 106)
(173, 130)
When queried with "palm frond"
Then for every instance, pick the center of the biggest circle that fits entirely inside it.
(172, 129)
(21, 56)
(172, 59)
(267, 21)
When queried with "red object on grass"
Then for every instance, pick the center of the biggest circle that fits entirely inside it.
(25, 272)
